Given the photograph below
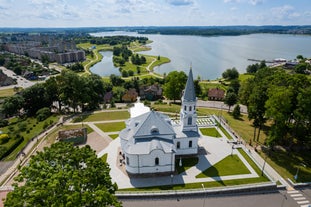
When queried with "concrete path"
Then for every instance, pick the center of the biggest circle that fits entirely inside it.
(216, 150)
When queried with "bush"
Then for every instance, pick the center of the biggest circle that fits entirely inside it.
(45, 125)
(4, 138)
(4, 123)
(43, 113)
(236, 112)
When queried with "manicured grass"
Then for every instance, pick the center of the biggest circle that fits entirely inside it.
(212, 132)
(224, 131)
(103, 116)
(231, 165)
(186, 164)
(104, 157)
(287, 163)
(172, 108)
(113, 136)
(7, 92)
(111, 127)
(30, 128)
(242, 126)
(254, 166)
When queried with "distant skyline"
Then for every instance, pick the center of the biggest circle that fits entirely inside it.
(102, 13)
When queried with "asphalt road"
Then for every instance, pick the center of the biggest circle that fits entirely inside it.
(274, 199)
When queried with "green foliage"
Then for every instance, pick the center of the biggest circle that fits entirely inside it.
(255, 67)
(236, 113)
(4, 138)
(230, 74)
(43, 113)
(64, 175)
(174, 84)
(231, 99)
(77, 67)
(12, 105)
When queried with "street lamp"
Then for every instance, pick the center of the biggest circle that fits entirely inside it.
(263, 166)
(204, 195)
(296, 176)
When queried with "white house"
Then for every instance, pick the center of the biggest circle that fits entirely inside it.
(151, 141)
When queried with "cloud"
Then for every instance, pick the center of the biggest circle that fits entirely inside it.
(180, 2)
(282, 12)
(252, 2)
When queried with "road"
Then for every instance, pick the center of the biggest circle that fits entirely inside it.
(274, 199)
(21, 82)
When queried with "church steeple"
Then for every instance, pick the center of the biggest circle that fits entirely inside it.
(189, 93)
(188, 115)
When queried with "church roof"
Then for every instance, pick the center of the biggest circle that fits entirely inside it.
(150, 124)
(153, 123)
(148, 132)
(189, 93)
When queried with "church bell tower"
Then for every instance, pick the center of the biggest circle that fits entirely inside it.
(188, 115)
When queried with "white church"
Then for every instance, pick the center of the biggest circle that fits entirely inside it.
(151, 140)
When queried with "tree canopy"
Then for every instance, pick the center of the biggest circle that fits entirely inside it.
(64, 175)
(174, 84)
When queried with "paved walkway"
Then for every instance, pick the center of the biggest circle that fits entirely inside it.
(216, 150)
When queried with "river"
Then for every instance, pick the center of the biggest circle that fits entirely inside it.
(211, 56)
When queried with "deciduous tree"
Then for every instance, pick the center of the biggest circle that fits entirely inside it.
(64, 175)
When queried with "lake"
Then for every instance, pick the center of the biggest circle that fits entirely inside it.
(211, 56)
(105, 67)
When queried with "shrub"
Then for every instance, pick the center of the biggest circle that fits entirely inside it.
(4, 138)
(45, 125)
(4, 123)
(43, 113)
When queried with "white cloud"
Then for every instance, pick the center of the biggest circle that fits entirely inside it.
(256, 2)
(180, 2)
(282, 12)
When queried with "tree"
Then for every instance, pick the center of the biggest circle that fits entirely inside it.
(236, 112)
(230, 74)
(231, 99)
(64, 175)
(174, 84)
(35, 98)
(12, 105)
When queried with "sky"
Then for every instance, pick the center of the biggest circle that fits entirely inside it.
(102, 13)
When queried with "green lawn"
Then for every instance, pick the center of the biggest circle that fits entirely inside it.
(111, 127)
(242, 126)
(6, 92)
(231, 165)
(113, 136)
(103, 116)
(212, 132)
(287, 163)
(27, 128)
(186, 164)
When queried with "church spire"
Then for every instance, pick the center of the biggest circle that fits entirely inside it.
(189, 93)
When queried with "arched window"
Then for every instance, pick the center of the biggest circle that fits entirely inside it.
(190, 121)
(156, 161)
(190, 144)
(127, 161)
(190, 108)
(178, 145)
(194, 108)
(185, 108)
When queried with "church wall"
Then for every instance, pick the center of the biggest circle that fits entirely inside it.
(184, 148)
(139, 164)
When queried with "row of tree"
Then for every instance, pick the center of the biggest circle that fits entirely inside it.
(282, 98)
(67, 89)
